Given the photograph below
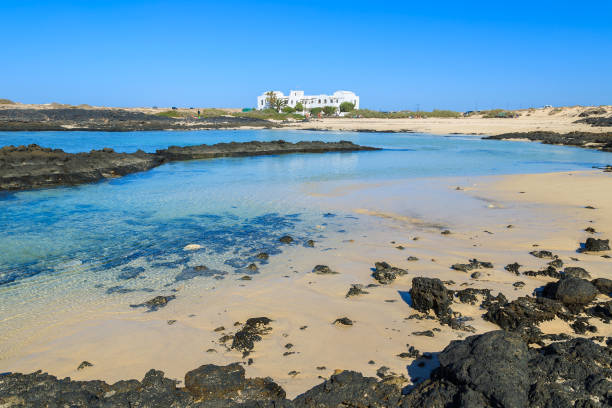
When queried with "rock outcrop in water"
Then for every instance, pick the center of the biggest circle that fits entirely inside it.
(495, 369)
(29, 167)
(600, 141)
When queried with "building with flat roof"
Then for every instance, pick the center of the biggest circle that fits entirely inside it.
(310, 101)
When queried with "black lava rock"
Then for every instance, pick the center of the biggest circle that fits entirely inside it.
(431, 294)
(596, 245)
(386, 274)
(571, 291)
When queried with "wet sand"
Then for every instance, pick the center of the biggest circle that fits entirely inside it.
(544, 209)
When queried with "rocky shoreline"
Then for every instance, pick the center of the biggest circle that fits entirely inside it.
(114, 120)
(599, 141)
(494, 369)
(31, 167)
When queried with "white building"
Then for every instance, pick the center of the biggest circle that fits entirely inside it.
(310, 101)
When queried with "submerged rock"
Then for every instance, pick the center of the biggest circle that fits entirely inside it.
(130, 272)
(155, 303)
(191, 272)
(263, 256)
(286, 239)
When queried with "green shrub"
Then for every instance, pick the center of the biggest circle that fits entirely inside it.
(346, 107)
(299, 107)
(268, 114)
(211, 112)
(329, 110)
(288, 109)
(316, 111)
(498, 113)
(6, 102)
(169, 114)
(436, 113)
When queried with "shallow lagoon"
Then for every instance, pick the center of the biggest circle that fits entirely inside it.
(233, 207)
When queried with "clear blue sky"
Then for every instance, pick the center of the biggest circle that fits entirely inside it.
(395, 55)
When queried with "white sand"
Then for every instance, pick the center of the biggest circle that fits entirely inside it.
(545, 119)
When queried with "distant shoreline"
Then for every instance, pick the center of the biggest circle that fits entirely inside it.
(587, 127)
(58, 117)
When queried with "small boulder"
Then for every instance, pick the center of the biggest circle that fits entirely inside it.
(286, 239)
(345, 321)
(571, 291)
(576, 272)
(228, 383)
(386, 274)
(595, 245)
(431, 294)
(542, 254)
(356, 290)
(604, 285)
(474, 264)
(323, 270)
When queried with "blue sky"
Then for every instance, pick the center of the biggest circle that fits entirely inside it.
(395, 55)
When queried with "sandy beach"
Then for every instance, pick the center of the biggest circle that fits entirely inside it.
(559, 120)
(499, 219)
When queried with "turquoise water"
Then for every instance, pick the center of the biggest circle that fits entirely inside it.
(125, 229)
